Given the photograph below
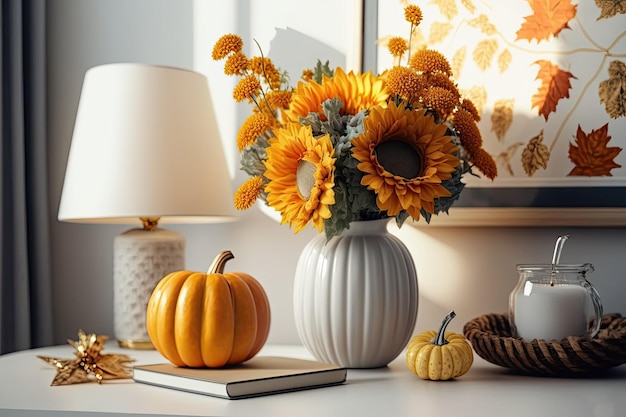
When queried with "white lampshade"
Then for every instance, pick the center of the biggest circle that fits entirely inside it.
(145, 146)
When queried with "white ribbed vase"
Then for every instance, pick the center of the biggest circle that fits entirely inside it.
(356, 296)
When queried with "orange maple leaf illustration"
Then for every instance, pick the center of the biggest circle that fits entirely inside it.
(592, 157)
(549, 17)
(555, 85)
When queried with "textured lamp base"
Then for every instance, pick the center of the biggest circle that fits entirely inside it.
(141, 258)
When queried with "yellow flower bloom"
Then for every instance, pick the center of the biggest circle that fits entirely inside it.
(301, 174)
(255, 125)
(247, 194)
(404, 82)
(247, 88)
(397, 46)
(428, 60)
(405, 156)
(225, 45)
(236, 64)
(356, 91)
(413, 14)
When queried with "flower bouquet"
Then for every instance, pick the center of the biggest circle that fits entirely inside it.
(342, 147)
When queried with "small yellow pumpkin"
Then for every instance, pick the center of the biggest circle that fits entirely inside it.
(211, 319)
(431, 355)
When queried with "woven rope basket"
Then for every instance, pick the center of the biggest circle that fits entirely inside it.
(490, 336)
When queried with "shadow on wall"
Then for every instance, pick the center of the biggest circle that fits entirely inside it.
(294, 52)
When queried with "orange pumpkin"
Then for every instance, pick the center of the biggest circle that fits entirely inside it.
(211, 319)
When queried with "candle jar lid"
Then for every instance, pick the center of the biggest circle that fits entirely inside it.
(558, 273)
(554, 301)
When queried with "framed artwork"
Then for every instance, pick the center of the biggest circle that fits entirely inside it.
(549, 81)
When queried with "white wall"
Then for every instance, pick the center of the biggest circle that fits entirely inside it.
(469, 269)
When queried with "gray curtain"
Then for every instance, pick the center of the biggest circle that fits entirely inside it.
(25, 287)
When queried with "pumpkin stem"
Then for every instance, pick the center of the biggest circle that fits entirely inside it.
(217, 267)
(440, 340)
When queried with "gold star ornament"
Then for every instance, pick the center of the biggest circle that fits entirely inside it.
(89, 362)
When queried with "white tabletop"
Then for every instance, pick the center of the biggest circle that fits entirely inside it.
(487, 390)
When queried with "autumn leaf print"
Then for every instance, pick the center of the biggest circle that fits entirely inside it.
(505, 157)
(504, 60)
(483, 24)
(609, 8)
(439, 31)
(447, 8)
(591, 155)
(612, 92)
(555, 85)
(484, 53)
(549, 18)
(502, 117)
(535, 155)
(469, 6)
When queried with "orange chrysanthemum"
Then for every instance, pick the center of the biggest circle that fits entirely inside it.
(485, 163)
(301, 174)
(405, 157)
(264, 67)
(428, 60)
(468, 105)
(247, 88)
(225, 45)
(439, 79)
(413, 14)
(356, 91)
(255, 125)
(397, 46)
(469, 133)
(248, 192)
(236, 64)
(404, 82)
(279, 99)
(441, 100)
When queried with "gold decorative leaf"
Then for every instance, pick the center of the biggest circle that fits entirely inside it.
(458, 60)
(483, 24)
(484, 52)
(502, 117)
(609, 8)
(469, 6)
(478, 95)
(504, 60)
(504, 158)
(535, 155)
(447, 8)
(439, 31)
(612, 92)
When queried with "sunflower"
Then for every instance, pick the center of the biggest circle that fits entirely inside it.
(405, 156)
(356, 91)
(301, 173)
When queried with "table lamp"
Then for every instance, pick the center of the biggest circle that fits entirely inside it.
(145, 150)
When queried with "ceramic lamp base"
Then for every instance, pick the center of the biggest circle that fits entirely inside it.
(141, 258)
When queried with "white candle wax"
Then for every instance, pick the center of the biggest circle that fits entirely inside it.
(545, 311)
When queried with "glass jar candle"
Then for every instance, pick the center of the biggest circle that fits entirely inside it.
(553, 301)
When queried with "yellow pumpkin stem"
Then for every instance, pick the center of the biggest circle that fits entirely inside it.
(217, 267)
(440, 340)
